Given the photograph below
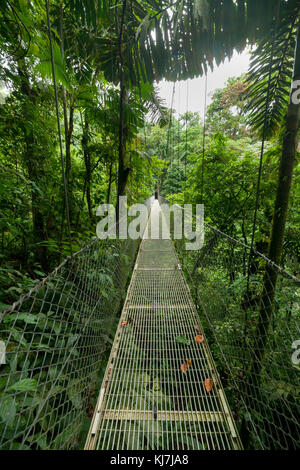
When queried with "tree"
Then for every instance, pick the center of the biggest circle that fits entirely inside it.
(227, 112)
(286, 169)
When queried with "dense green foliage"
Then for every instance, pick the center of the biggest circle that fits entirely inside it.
(36, 238)
(230, 169)
(34, 234)
(119, 138)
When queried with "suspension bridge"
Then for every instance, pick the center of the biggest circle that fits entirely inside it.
(153, 391)
(181, 371)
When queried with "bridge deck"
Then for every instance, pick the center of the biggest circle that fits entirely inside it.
(148, 400)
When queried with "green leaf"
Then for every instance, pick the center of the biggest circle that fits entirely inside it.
(182, 340)
(19, 446)
(74, 395)
(8, 410)
(24, 385)
(26, 317)
(40, 440)
(104, 293)
(19, 337)
(44, 67)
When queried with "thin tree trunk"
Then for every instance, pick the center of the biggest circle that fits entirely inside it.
(87, 162)
(123, 171)
(68, 121)
(69, 134)
(33, 165)
(68, 130)
(109, 182)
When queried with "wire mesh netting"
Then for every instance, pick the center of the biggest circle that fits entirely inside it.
(54, 338)
(250, 313)
(153, 395)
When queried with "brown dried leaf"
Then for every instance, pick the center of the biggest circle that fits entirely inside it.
(208, 383)
(184, 367)
(199, 339)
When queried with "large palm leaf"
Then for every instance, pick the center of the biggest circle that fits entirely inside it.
(183, 40)
(174, 40)
(157, 110)
(269, 83)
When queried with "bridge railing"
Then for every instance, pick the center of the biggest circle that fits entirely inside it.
(251, 317)
(53, 343)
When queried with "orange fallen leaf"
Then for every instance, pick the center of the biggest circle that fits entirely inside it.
(186, 365)
(208, 385)
(199, 339)
(124, 323)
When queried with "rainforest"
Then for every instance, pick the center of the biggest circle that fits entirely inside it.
(140, 344)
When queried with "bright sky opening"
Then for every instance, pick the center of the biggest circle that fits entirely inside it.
(195, 98)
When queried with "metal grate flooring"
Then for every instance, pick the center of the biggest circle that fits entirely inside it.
(146, 401)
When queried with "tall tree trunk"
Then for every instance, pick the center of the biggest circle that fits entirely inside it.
(123, 170)
(287, 164)
(33, 165)
(68, 137)
(68, 121)
(87, 162)
(109, 182)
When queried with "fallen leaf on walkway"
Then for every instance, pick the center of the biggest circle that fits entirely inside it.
(208, 385)
(124, 323)
(186, 365)
(199, 339)
(182, 340)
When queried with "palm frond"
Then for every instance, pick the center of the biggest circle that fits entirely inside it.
(157, 111)
(278, 82)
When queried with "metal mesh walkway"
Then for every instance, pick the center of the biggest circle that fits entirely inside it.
(156, 389)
